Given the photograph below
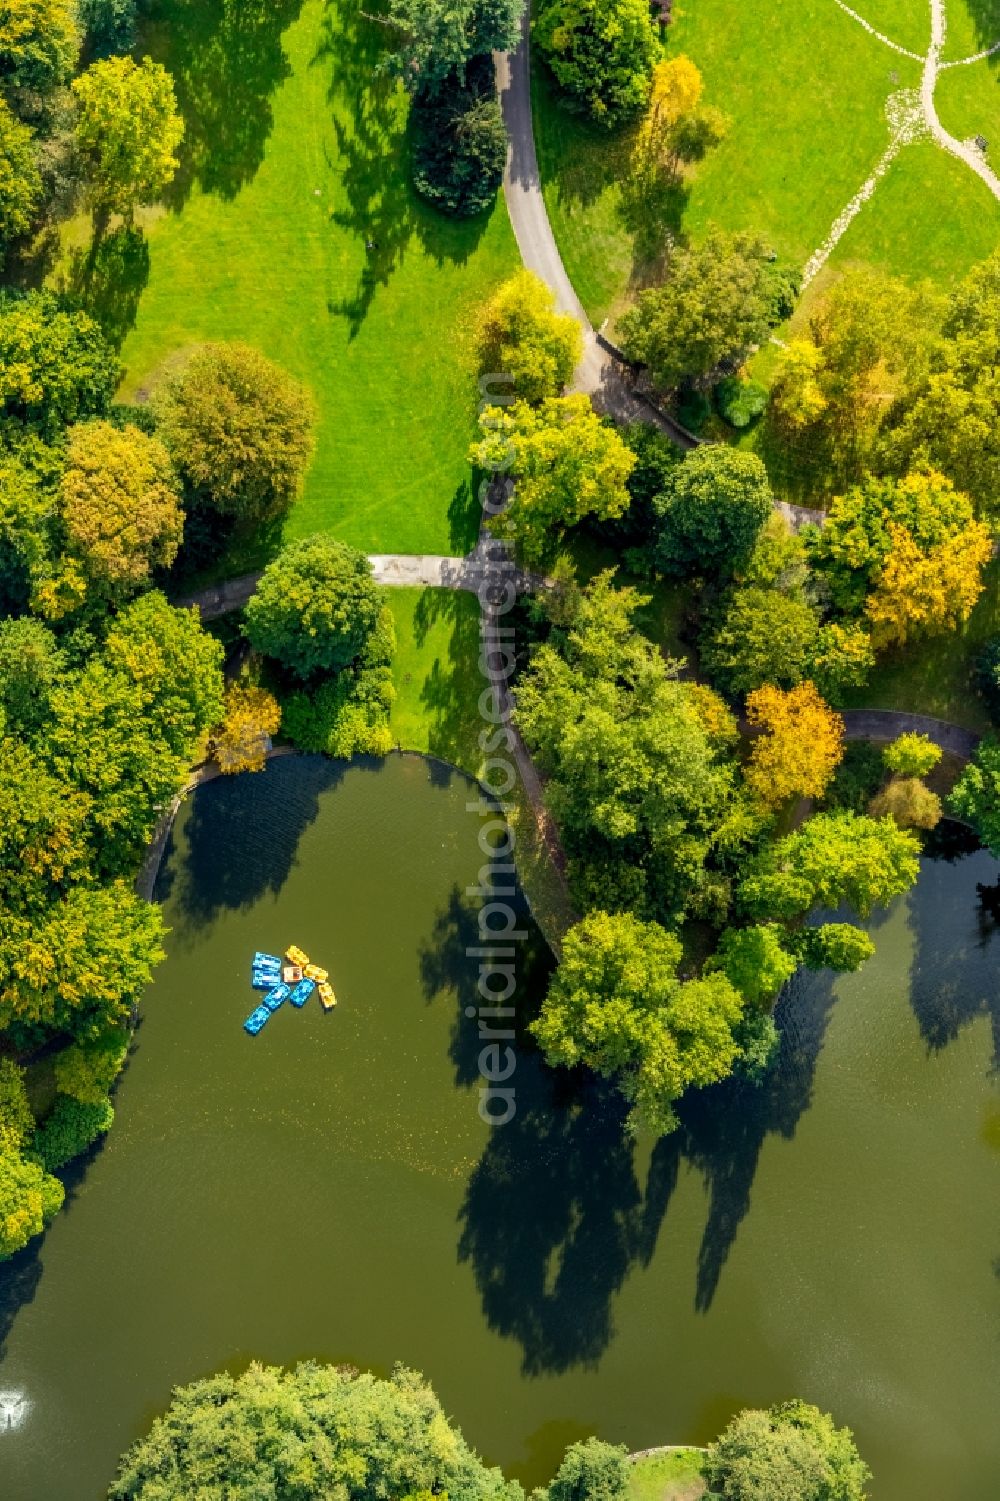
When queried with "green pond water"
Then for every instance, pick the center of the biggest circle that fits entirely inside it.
(328, 1189)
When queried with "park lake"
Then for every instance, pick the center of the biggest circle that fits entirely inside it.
(328, 1189)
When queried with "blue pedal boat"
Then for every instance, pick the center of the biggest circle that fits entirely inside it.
(255, 1021)
(277, 997)
(262, 977)
(302, 992)
(266, 961)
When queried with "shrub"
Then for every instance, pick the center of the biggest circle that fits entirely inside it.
(252, 716)
(349, 715)
(740, 401)
(459, 142)
(70, 1129)
(912, 755)
(987, 677)
(912, 804)
(86, 1071)
(755, 961)
(858, 777)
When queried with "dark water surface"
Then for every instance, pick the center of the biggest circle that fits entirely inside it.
(329, 1190)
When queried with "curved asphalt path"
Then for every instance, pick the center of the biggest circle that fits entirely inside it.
(598, 375)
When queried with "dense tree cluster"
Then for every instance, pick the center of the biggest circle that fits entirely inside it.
(320, 1431)
(663, 822)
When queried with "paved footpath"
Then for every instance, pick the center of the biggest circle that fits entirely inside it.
(394, 569)
(886, 724)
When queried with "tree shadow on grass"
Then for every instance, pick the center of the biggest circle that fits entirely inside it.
(226, 60)
(109, 277)
(373, 161)
(241, 836)
(451, 688)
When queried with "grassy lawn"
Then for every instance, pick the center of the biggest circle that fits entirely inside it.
(438, 683)
(805, 89)
(294, 157)
(668, 1477)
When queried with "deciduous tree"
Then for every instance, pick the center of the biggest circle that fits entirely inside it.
(81, 964)
(120, 505)
(569, 465)
(352, 1435)
(252, 716)
(38, 45)
(909, 801)
(976, 795)
(616, 1004)
(315, 607)
(912, 755)
(639, 785)
(717, 301)
(711, 511)
(601, 52)
(128, 130)
(798, 746)
(56, 367)
(834, 858)
(20, 179)
(522, 335)
(756, 961)
(239, 429)
(791, 1452)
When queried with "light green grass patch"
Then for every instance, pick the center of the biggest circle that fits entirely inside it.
(436, 674)
(436, 711)
(968, 103)
(668, 1477)
(934, 205)
(805, 88)
(295, 156)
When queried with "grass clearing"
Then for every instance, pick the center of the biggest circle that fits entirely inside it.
(438, 683)
(295, 156)
(805, 89)
(668, 1477)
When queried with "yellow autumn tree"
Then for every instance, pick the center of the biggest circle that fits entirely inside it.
(252, 716)
(797, 396)
(920, 591)
(674, 128)
(799, 744)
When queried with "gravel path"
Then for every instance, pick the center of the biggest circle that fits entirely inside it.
(393, 569)
(932, 66)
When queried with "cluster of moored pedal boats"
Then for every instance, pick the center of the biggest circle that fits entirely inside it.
(292, 978)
